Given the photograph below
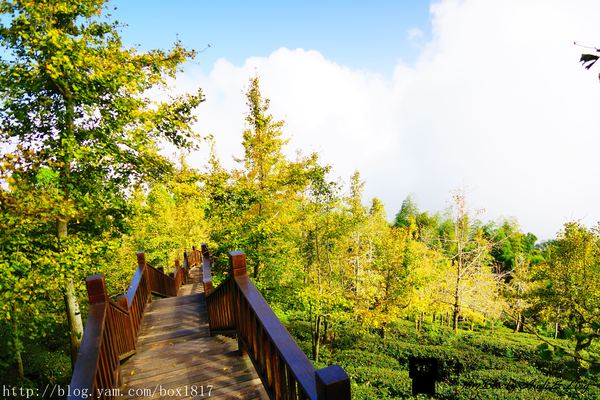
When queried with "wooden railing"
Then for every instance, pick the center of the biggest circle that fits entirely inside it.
(112, 328)
(206, 270)
(285, 371)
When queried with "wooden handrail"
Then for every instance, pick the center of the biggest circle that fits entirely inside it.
(206, 270)
(112, 328)
(84, 376)
(285, 371)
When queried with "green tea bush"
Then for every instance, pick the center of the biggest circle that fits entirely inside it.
(499, 345)
(300, 330)
(350, 336)
(359, 358)
(447, 392)
(368, 392)
(475, 365)
(454, 360)
(388, 383)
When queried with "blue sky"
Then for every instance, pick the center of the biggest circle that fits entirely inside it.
(423, 99)
(371, 35)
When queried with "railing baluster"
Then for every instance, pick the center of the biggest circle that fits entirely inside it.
(292, 383)
(277, 375)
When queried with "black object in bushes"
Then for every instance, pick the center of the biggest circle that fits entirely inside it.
(424, 372)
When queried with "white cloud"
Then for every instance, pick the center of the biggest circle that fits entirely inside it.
(496, 103)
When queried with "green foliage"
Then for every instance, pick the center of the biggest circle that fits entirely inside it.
(469, 393)
(408, 212)
(379, 382)
(570, 284)
(360, 358)
(511, 346)
(51, 367)
(72, 97)
(474, 365)
(81, 129)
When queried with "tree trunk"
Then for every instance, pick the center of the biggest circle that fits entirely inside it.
(255, 270)
(456, 305)
(518, 325)
(357, 263)
(257, 265)
(455, 312)
(556, 326)
(71, 304)
(316, 338)
(17, 344)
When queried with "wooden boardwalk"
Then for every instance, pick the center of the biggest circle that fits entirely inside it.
(177, 358)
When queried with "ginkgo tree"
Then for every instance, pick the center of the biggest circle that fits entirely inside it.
(73, 103)
(469, 252)
(570, 281)
(255, 205)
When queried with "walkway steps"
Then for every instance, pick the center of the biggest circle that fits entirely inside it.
(177, 358)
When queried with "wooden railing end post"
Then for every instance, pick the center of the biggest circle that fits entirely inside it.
(96, 288)
(186, 267)
(332, 383)
(141, 258)
(237, 263)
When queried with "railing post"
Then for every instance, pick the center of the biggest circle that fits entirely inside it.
(237, 265)
(332, 383)
(177, 276)
(185, 267)
(141, 258)
(206, 270)
(96, 288)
